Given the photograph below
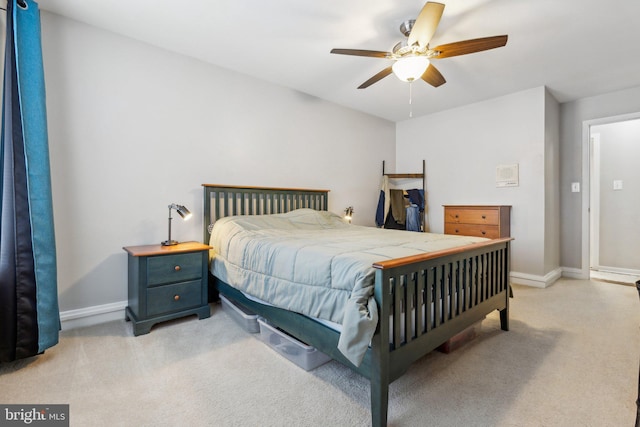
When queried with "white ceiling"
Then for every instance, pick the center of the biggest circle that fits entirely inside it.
(576, 48)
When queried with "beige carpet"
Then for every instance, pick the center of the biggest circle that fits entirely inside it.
(570, 359)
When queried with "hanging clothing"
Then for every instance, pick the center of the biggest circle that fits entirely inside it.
(384, 203)
(416, 197)
(415, 209)
(29, 314)
(413, 218)
(398, 206)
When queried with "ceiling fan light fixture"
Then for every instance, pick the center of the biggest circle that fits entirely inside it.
(410, 68)
(411, 56)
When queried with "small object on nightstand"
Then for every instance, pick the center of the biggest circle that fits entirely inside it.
(166, 282)
(348, 214)
(184, 213)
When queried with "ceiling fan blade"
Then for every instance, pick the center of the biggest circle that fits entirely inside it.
(381, 75)
(361, 52)
(426, 24)
(470, 46)
(433, 76)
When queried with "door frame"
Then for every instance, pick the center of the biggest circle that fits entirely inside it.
(594, 199)
(586, 178)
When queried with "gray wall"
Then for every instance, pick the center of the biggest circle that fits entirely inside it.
(462, 148)
(133, 128)
(619, 210)
(572, 117)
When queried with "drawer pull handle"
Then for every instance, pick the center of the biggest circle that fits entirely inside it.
(484, 217)
(457, 231)
(456, 215)
(177, 268)
(484, 232)
(176, 297)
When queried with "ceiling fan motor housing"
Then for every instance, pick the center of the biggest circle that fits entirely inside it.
(407, 26)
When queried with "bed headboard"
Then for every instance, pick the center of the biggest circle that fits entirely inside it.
(227, 200)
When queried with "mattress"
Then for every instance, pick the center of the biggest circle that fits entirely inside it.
(314, 263)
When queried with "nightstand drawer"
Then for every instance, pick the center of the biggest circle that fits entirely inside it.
(472, 216)
(176, 297)
(488, 231)
(174, 268)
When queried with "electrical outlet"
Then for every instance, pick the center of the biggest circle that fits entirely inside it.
(575, 187)
(617, 184)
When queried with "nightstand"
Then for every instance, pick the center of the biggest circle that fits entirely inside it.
(166, 282)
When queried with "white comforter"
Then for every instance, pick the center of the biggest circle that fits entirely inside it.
(314, 263)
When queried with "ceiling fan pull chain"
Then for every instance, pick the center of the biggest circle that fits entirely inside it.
(410, 101)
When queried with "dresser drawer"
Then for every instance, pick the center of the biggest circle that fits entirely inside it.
(479, 230)
(174, 268)
(472, 216)
(175, 297)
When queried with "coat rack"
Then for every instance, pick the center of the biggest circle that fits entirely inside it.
(422, 176)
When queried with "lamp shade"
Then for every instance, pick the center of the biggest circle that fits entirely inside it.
(410, 68)
(182, 211)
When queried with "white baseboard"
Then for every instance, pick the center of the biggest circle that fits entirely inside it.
(574, 273)
(89, 316)
(535, 280)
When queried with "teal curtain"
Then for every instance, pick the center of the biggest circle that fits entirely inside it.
(29, 315)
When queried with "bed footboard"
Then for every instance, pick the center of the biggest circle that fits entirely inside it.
(428, 299)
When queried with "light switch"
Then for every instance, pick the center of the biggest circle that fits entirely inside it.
(617, 184)
(575, 187)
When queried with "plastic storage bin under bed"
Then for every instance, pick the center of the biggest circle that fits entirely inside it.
(246, 319)
(303, 355)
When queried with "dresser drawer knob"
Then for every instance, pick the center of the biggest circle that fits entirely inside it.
(176, 297)
(457, 231)
(456, 215)
(484, 217)
(177, 268)
(483, 232)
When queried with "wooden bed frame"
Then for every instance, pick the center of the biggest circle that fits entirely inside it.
(476, 276)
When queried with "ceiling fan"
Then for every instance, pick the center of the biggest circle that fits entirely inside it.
(412, 56)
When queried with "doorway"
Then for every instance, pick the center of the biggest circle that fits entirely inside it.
(610, 202)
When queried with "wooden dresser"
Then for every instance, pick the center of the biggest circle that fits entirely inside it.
(476, 220)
